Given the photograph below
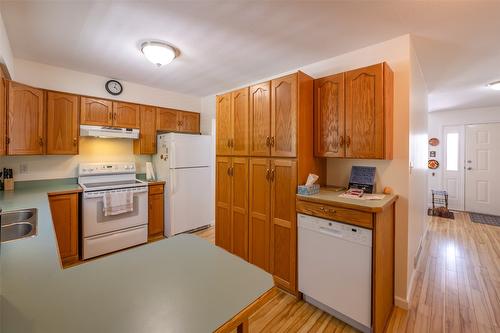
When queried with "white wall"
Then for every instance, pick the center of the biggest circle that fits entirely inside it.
(439, 119)
(91, 150)
(417, 212)
(6, 57)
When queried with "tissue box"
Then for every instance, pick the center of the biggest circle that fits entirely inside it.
(308, 189)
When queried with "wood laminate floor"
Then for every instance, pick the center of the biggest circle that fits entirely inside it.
(456, 287)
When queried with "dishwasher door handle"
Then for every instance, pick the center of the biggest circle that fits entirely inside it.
(330, 232)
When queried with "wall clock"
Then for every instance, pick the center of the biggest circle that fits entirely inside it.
(114, 87)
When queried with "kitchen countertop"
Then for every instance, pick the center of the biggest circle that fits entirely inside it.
(330, 197)
(181, 284)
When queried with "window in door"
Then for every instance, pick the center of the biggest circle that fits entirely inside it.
(452, 151)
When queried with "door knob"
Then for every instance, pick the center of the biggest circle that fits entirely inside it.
(469, 168)
(469, 161)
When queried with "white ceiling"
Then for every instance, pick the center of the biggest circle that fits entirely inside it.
(226, 44)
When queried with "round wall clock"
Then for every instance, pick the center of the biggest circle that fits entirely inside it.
(433, 164)
(434, 141)
(114, 87)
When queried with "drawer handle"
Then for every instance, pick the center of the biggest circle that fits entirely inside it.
(327, 210)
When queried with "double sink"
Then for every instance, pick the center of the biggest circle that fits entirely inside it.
(18, 224)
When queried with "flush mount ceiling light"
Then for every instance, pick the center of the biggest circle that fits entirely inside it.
(158, 53)
(494, 85)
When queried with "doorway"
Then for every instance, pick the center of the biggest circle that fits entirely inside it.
(482, 168)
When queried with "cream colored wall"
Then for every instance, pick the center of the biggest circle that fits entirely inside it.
(91, 149)
(6, 57)
(417, 208)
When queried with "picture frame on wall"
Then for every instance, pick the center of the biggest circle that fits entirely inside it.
(432, 153)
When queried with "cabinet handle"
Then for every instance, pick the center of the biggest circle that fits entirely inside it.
(341, 143)
(74, 141)
(232, 171)
(348, 141)
(232, 143)
(111, 116)
(40, 141)
(268, 141)
(272, 175)
(114, 116)
(7, 140)
(272, 141)
(229, 171)
(268, 174)
(327, 210)
(229, 143)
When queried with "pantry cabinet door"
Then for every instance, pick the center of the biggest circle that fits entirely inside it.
(223, 131)
(284, 116)
(260, 210)
(260, 119)
(25, 120)
(146, 144)
(364, 124)
(239, 206)
(223, 232)
(239, 116)
(126, 115)
(62, 123)
(188, 122)
(166, 120)
(283, 223)
(97, 112)
(329, 116)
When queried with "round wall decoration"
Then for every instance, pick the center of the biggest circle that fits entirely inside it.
(433, 164)
(114, 87)
(434, 141)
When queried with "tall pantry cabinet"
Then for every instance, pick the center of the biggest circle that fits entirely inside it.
(264, 149)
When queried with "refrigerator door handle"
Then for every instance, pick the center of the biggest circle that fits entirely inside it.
(172, 155)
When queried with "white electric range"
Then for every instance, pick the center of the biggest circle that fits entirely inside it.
(104, 234)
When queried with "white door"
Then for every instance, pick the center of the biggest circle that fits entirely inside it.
(482, 164)
(453, 168)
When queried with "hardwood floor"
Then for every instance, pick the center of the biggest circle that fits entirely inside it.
(456, 287)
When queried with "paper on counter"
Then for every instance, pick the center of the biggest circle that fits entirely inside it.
(311, 179)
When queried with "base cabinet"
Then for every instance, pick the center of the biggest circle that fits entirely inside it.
(65, 212)
(155, 211)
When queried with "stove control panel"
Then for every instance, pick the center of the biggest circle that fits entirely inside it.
(90, 169)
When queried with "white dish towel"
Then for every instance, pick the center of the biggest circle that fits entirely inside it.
(116, 203)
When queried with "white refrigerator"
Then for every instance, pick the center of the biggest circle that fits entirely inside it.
(184, 162)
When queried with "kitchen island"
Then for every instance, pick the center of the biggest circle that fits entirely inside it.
(181, 284)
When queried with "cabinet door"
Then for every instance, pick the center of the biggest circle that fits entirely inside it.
(329, 116)
(239, 206)
(64, 209)
(283, 223)
(166, 119)
(3, 115)
(284, 116)
(364, 124)
(223, 232)
(146, 144)
(223, 119)
(26, 120)
(62, 123)
(260, 211)
(126, 115)
(260, 119)
(155, 212)
(188, 122)
(97, 112)
(239, 109)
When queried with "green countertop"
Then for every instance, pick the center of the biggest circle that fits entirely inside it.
(181, 284)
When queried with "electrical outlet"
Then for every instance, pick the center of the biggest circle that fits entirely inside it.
(23, 168)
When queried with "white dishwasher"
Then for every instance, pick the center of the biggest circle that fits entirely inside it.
(335, 269)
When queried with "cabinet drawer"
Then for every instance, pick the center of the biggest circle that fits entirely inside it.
(346, 215)
(155, 189)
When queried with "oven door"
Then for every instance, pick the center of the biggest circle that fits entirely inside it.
(94, 221)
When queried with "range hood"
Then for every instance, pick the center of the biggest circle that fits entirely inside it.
(109, 132)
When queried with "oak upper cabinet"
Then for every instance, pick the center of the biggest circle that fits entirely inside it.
(166, 119)
(368, 111)
(283, 222)
(126, 115)
(64, 209)
(25, 120)
(260, 213)
(97, 112)
(223, 203)
(155, 211)
(329, 116)
(62, 123)
(260, 119)
(239, 122)
(284, 116)
(188, 122)
(224, 121)
(232, 205)
(3, 115)
(146, 144)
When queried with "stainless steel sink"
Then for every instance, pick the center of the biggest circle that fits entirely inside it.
(18, 224)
